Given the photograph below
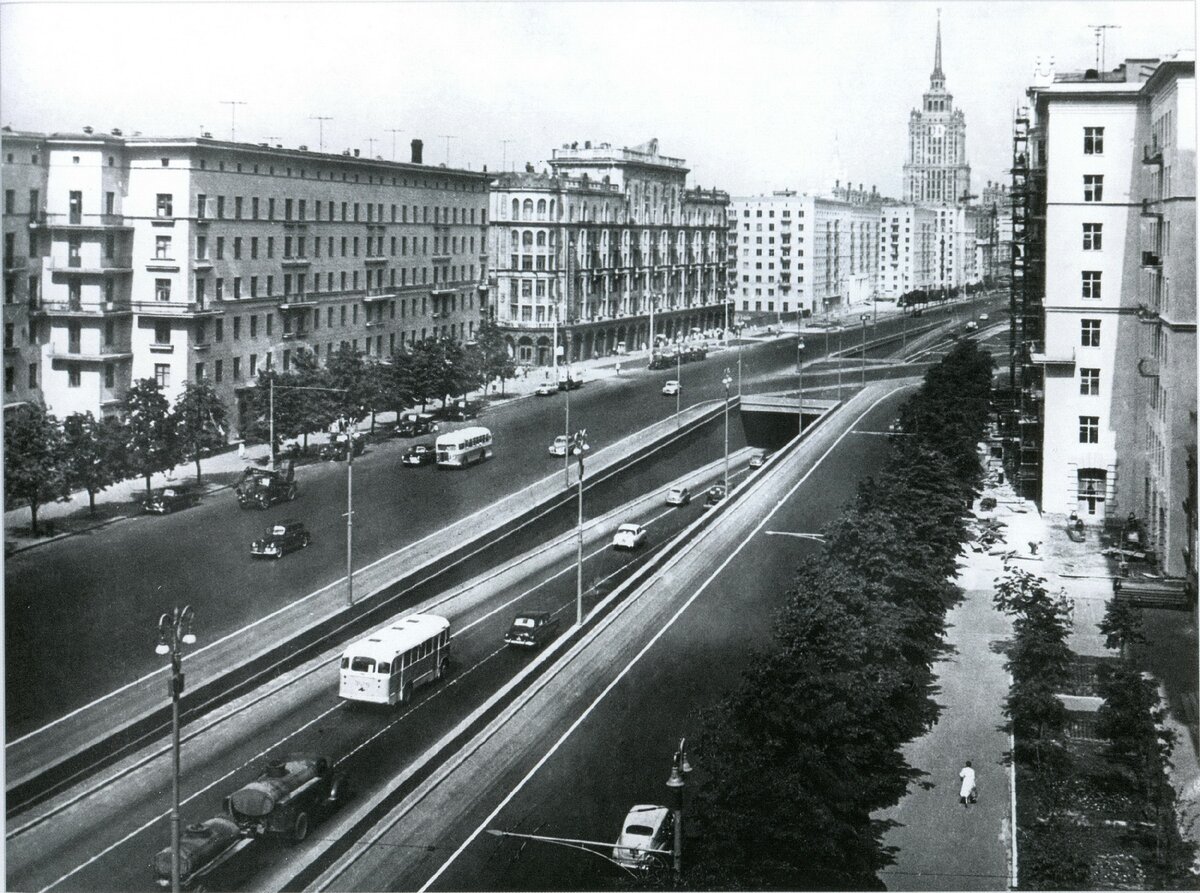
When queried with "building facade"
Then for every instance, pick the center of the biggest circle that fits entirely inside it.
(907, 258)
(609, 248)
(936, 168)
(194, 258)
(24, 179)
(1119, 357)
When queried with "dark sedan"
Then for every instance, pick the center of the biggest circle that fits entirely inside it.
(284, 537)
(419, 454)
(532, 630)
(416, 424)
(165, 500)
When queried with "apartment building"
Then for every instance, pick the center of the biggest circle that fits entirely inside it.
(1118, 359)
(24, 180)
(907, 255)
(799, 253)
(196, 258)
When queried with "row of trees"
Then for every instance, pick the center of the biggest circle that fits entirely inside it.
(929, 295)
(799, 758)
(46, 460)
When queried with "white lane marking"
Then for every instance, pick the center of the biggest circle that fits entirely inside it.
(650, 644)
(820, 538)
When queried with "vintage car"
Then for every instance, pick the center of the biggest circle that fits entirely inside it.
(570, 384)
(262, 488)
(645, 838)
(715, 494)
(286, 796)
(560, 445)
(203, 848)
(416, 424)
(546, 390)
(165, 500)
(695, 351)
(759, 457)
(335, 450)
(419, 454)
(629, 536)
(531, 629)
(671, 388)
(286, 536)
(679, 496)
(460, 410)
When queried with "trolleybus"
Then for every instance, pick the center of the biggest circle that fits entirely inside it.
(388, 665)
(464, 447)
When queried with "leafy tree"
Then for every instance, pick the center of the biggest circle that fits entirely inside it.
(93, 453)
(347, 371)
(1122, 625)
(149, 435)
(496, 361)
(398, 382)
(200, 419)
(35, 468)
(1131, 718)
(1055, 855)
(428, 370)
(471, 372)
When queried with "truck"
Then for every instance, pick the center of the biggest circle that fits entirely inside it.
(203, 848)
(286, 796)
(262, 488)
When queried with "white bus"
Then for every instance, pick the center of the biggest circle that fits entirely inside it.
(464, 447)
(386, 666)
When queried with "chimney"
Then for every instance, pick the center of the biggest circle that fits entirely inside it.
(356, 153)
(528, 167)
(417, 145)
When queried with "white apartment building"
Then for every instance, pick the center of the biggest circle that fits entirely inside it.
(907, 259)
(1120, 296)
(189, 258)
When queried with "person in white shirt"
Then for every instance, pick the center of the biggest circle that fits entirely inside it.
(966, 794)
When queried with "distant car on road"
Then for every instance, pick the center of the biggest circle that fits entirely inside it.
(339, 445)
(679, 496)
(759, 457)
(646, 827)
(165, 500)
(560, 445)
(288, 793)
(419, 454)
(715, 494)
(531, 629)
(671, 388)
(972, 326)
(570, 384)
(983, 317)
(416, 424)
(261, 488)
(629, 536)
(286, 536)
(546, 390)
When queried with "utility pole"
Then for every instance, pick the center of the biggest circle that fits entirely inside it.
(233, 104)
(320, 119)
(393, 131)
(447, 138)
(504, 155)
(1100, 44)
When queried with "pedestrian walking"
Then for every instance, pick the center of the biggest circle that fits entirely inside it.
(966, 793)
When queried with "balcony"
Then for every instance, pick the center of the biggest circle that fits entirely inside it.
(105, 354)
(375, 295)
(12, 263)
(78, 222)
(378, 259)
(201, 263)
(296, 302)
(79, 310)
(175, 310)
(1147, 211)
(1152, 155)
(162, 265)
(162, 348)
(107, 267)
(1044, 358)
(1150, 259)
(296, 334)
(295, 261)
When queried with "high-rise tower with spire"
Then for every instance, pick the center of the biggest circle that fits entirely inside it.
(936, 170)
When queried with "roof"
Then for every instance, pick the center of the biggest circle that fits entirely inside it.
(462, 433)
(386, 643)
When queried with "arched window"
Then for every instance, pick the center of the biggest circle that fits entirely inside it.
(527, 239)
(515, 238)
(541, 239)
(527, 209)
(552, 217)
(541, 209)
(516, 210)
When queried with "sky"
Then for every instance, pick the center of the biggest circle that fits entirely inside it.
(755, 96)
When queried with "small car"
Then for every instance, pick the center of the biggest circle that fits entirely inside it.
(629, 536)
(560, 445)
(570, 384)
(646, 828)
(715, 494)
(671, 388)
(531, 629)
(759, 457)
(165, 500)
(983, 317)
(287, 536)
(546, 390)
(416, 424)
(336, 449)
(972, 326)
(419, 454)
(679, 496)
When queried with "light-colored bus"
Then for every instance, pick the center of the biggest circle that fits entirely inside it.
(386, 666)
(464, 447)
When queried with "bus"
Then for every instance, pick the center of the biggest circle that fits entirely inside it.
(386, 666)
(464, 447)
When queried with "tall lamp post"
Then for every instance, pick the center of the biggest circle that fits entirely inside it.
(579, 446)
(800, 384)
(175, 631)
(680, 767)
(738, 330)
(864, 319)
(727, 381)
(678, 381)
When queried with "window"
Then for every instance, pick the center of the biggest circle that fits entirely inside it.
(162, 247)
(10, 201)
(162, 289)
(237, 207)
(237, 368)
(1091, 284)
(1089, 332)
(1089, 382)
(1093, 141)
(218, 371)
(220, 330)
(73, 376)
(254, 326)
(201, 247)
(253, 363)
(220, 248)
(165, 205)
(237, 248)
(1092, 233)
(1089, 429)
(1093, 187)
(162, 331)
(162, 375)
(220, 207)
(33, 374)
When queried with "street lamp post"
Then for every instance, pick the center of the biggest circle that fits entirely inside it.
(727, 381)
(175, 631)
(839, 362)
(579, 446)
(864, 319)
(678, 381)
(800, 384)
(680, 767)
(738, 330)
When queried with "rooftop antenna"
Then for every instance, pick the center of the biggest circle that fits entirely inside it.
(233, 104)
(447, 138)
(1100, 41)
(320, 119)
(393, 131)
(371, 146)
(504, 162)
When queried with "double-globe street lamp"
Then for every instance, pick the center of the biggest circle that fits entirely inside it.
(727, 381)
(676, 782)
(579, 446)
(864, 319)
(800, 383)
(175, 631)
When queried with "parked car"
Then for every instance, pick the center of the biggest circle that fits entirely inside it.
(646, 827)
(416, 424)
(679, 496)
(546, 390)
(262, 488)
(983, 317)
(165, 500)
(671, 388)
(532, 629)
(203, 847)
(570, 384)
(972, 326)
(460, 410)
(629, 536)
(697, 351)
(286, 536)
(715, 494)
(759, 457)
(560, 445)
(286, 795)
(338, 446)
(419, 454)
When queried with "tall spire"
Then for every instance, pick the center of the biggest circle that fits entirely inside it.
(937, 52)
